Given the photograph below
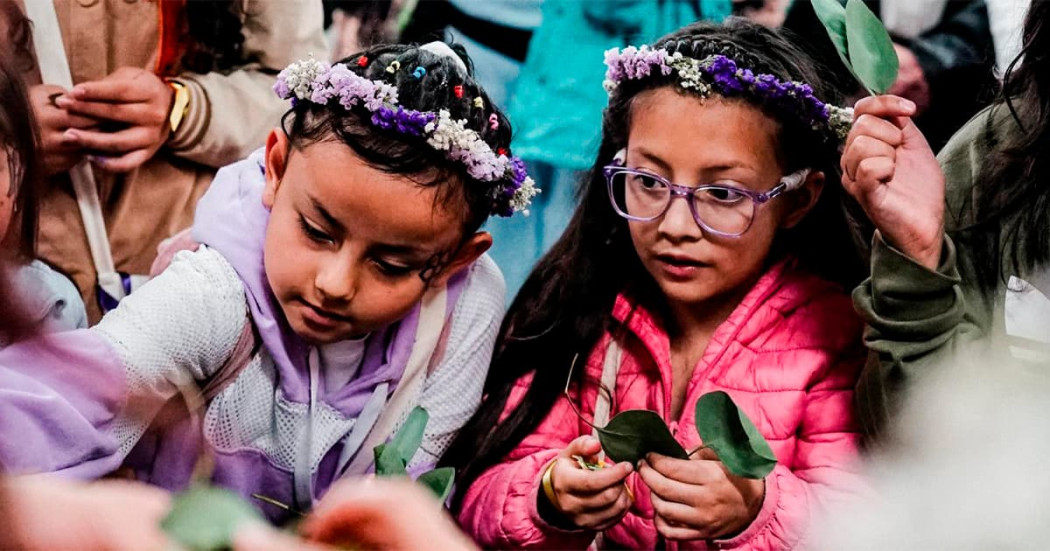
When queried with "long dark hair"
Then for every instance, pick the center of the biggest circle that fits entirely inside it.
(215, 29)
(565, 305)
(18, 138)
(1013, 205)
(443, 86)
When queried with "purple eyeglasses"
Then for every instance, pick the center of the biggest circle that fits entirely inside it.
(723, 210)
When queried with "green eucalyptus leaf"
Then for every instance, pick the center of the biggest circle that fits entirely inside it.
(439, 481)
(410, 435)
(205, 518)
(833, 15)
(388, 461)
(726, 429)
(631, 434)
(871, 50)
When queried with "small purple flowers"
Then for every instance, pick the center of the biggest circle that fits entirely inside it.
(320, 84)
(720, 74)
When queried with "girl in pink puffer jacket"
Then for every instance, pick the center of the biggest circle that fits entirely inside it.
(709, 252)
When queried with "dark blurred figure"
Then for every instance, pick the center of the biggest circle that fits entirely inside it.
(355, 25)
(946, 57)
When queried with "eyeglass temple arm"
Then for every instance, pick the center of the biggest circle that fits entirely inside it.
(790, 182)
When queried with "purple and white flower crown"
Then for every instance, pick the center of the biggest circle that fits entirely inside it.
(321, 83)
(719, 74)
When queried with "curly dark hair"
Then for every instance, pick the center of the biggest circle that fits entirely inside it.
(398, 153)
(566, 304)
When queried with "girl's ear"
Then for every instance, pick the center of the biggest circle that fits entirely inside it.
(467, 254)
(802, 200)
(276, 163)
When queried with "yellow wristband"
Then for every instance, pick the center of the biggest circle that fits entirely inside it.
(548, 484)
(180, 106)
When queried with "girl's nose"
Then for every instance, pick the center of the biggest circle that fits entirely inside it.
(678, 223)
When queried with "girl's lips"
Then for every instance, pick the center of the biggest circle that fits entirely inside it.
(679, 267)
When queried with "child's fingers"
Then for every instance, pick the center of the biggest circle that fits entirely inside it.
(131, 113)
(676, 532)
(675, 512)
(683, 470)
(891, 108)
(864, 148)
(607, 516)
(584, 445)
(874, 127)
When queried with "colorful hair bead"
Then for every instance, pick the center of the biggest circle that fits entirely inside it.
(419, 72)
(458, 91)
(479, 103)
(362, 61)
(493, 122)
(393, 67)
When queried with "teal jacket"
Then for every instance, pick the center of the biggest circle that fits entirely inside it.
(558, 100)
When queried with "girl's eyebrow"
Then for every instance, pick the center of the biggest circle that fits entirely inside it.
(666, 167)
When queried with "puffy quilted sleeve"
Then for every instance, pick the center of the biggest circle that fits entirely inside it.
(500, 509)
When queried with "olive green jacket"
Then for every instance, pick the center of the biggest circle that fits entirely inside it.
(918, 318)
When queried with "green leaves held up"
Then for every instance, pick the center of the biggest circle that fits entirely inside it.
(205, 518)
(727, 430)
(439, 481)
(632, 434)
(861, 41)
(392, 458)
(870, 48)
(833, 15)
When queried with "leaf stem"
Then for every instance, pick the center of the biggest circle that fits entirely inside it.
(278, 504)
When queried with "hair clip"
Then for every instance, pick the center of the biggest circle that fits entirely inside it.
(362, 61)
(393, 67)
(419, 72)
(457, 90)
(479, 103)
(493, 122)
(501, 151)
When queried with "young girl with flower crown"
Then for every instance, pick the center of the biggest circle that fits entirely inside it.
(340, 282)
(710, 252)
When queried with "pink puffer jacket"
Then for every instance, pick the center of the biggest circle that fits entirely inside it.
(789, 355)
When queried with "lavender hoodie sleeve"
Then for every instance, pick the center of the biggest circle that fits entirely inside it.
(78, 402)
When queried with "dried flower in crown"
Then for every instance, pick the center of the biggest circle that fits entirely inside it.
(322, 84)
(721, 75)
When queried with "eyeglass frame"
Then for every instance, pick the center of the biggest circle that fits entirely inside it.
(790, 182)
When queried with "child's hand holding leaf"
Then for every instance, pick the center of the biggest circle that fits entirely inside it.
(591, 499)
(699, 498)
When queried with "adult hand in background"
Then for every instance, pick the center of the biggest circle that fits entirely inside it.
(889, 168)
(136, 103)
(911, 80)
(698, 498)
(58, 150)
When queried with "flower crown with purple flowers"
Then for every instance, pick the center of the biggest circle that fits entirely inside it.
(321, 83)
(719, 74)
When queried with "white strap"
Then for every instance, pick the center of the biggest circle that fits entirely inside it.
(610, 368)
(428, 333)
(54, 69)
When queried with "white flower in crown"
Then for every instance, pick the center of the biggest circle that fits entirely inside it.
(297, 80)
(523, 196)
